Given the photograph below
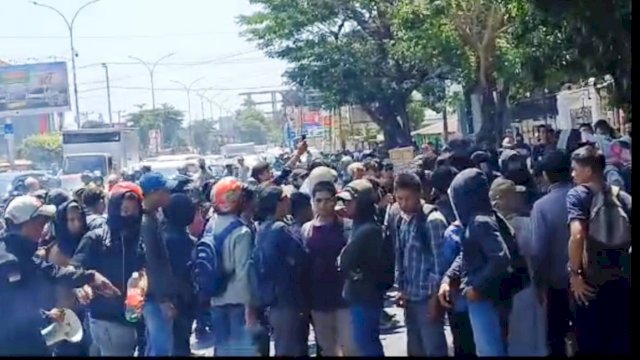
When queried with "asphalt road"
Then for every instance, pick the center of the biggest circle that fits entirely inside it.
(394, 342)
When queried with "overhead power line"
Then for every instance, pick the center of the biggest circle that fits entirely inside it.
(142, 88)
(108, 37)
(186, 63)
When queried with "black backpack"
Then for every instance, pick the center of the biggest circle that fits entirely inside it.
(517, 277)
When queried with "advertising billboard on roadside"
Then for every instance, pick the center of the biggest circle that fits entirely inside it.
(33, 89)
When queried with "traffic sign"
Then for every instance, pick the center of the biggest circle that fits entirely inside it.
(8, 129)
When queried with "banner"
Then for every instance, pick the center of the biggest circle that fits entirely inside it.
(34, 89)
(312, 124)
(401, 158)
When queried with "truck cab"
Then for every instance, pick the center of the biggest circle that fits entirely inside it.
(97, 151)
(92, 162)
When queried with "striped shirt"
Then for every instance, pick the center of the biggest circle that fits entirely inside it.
(420, 256)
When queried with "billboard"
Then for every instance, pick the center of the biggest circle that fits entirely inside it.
(312, 124)
(33, 89)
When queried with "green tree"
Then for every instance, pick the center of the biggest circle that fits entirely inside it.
(600, 34)
(504, 49)
(202, 131)
(251, 125)
(416, 111)
(356, 52)
(166, 118)
(42, 148)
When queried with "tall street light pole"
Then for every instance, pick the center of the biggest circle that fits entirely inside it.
(106, 74)
(201, 96)
(73, 49)
(188, 90)
(152, 68)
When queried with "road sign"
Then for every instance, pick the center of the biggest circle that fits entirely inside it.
(8, 129)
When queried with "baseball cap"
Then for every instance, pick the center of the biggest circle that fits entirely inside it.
(480, 157)
(154, 181)
(508, 155)
(26, 207)
(354, 188)
(502, 187)
(442, 177)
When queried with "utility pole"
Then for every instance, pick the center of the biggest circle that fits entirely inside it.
(152, 68)
(188, 91)
(445, 122)
(201, 96)
(73, 49)
(106, 74)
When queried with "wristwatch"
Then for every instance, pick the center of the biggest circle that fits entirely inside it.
(578, 272)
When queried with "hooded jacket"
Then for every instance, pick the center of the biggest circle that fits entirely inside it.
(67, 242)
(27, 286)
(114, 251)
(178, 215)
(485, 257)
(368, 258)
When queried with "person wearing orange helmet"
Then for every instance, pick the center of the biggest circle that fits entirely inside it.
(227, 283)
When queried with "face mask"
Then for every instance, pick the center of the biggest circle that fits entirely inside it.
(131, 220)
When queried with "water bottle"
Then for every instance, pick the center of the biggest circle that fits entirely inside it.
(134, 298)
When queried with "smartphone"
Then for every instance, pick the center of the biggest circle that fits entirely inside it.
(303, 137)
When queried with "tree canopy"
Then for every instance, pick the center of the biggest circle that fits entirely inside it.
(251, 124)
(599, 32)
(166, 118)
(377, 53)
(42, 148)
(355, 52)
(202, 132)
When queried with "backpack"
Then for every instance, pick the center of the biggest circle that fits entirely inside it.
(606, 251)
(262, 286)
(207, 265)
(517, 277)
(427, 210)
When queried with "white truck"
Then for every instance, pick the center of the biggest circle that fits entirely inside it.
(233, 150)
(103, 151)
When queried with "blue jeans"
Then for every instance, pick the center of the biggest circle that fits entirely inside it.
(290, 331)
(159, 330)
(487, 328)
(230, 334)
(425, 337)
(113, 338)
(366, 329)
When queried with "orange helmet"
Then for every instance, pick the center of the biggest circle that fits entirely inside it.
(226, 194)
(126, 186)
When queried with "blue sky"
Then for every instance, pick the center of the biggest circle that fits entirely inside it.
(203, 32)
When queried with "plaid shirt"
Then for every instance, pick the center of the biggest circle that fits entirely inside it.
(419, 269)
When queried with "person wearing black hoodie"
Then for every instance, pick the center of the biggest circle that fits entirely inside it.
(368, 263)
(483, 261)
(178, 215)
(69, 226)
(27, 282)
(114, 250)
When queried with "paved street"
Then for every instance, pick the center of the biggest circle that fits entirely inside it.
(395, 342)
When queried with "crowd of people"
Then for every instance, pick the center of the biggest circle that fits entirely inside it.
(521, 251)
